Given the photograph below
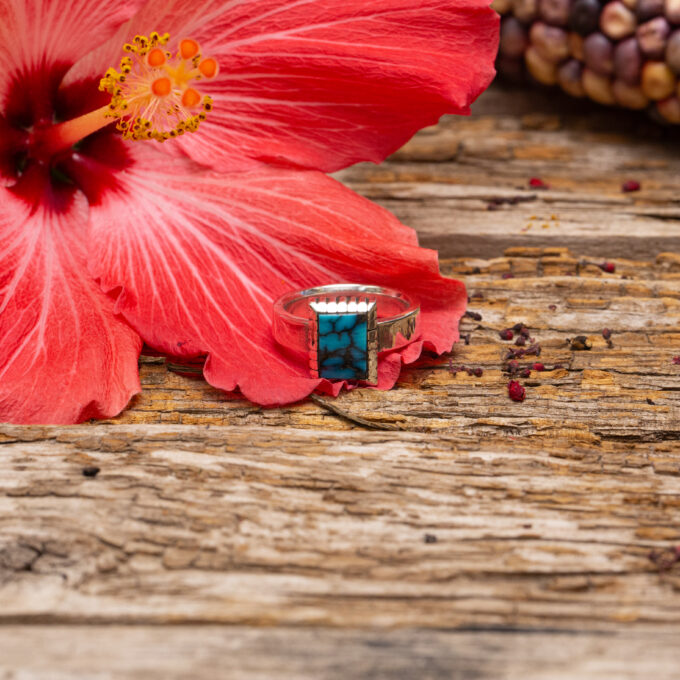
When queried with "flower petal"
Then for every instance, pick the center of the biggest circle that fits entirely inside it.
(324, 83)
(41, 39)
(197, 259)
(64, 357)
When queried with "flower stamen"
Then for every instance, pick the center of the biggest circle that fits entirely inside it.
(152, 93)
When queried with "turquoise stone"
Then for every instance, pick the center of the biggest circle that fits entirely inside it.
(343, 346)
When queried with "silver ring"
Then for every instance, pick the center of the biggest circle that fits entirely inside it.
(341, 328)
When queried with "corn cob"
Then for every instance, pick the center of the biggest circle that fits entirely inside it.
(617, 52)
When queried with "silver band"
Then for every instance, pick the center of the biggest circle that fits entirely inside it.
(341, 328)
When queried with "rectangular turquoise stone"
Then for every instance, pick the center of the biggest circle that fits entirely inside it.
(343, 346)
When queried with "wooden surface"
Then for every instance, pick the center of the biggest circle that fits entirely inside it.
(439, 530)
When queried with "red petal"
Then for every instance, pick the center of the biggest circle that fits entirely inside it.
(41, 39)
(64, 357)
(198, 258)
(324, 83)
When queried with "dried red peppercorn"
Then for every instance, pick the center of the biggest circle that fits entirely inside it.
(478, 372)
(538, 183)
(521, 341)
(606, 333)
(515, 391)
(473, 315)
(526, 373)
(665, 559)
(676, 360)
(508, 275)
(533, 350)
(538, 366)
(630, 185)
(513, 366)
(506, 334)
(608, 267)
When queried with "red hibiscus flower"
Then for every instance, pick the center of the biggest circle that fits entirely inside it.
(106, 241)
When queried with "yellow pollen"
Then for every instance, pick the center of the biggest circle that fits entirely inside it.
(152, 92)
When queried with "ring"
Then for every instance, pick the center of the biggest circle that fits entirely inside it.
(341, 328)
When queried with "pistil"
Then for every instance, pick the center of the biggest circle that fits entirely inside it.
(50, 141)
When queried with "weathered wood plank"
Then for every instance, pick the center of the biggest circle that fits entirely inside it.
(265, 526)
(599, 395)
(442, 181)
(238, 653)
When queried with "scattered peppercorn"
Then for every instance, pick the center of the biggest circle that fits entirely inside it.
(518, 327)
(606, 334)
(508, 275)
(90, 471)
(534, 350)
(608, 267)
(665, 559)
(478, 372)
(538, 183)
(676, 360)
(430, 538)
(650, 402)
(515, 391)
(538, 366)
(513, 366)
(525, 373)
(506, 334)
(580, 343)
(552, 308)
(497, 201)
(473, 315)
(630, 185)
(521, 341)
(556, 366)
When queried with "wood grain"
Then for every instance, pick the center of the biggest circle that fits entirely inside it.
(240, 653)
(442, 181)
(263, 526)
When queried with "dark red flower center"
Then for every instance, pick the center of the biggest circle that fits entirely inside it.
(53, 134)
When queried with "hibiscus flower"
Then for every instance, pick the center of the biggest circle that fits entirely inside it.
(109, 239)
